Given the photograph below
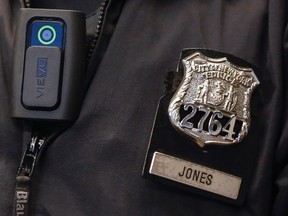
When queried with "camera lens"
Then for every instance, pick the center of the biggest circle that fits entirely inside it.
(46, 35)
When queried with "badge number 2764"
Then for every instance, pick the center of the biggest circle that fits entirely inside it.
(209, 122)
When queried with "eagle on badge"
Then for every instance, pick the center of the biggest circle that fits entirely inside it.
(212, 102)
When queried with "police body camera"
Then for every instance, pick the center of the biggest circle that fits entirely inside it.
(49, 65)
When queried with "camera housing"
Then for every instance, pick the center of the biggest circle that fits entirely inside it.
(49, 65)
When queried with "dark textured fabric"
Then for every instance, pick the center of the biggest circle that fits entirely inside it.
(87, 6)
(94, 167)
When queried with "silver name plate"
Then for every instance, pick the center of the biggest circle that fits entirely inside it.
(195, 175)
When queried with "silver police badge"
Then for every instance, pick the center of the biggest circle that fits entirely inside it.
(214, 96)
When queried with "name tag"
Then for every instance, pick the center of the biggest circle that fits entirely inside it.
(195, 175)
(200, 138)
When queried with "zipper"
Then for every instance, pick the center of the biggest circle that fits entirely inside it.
(38, 143)
(98, 29)
(26, 3)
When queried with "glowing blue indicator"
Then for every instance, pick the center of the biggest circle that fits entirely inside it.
(47, 33)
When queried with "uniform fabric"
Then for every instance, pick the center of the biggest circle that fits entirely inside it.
(94, 167)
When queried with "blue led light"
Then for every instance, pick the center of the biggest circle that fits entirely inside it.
(44, 33)
(47, 35)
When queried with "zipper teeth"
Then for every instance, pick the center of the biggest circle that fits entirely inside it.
(98, 29)
(26, 3)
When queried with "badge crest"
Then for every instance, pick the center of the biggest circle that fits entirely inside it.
(212, 103)
(207, 100)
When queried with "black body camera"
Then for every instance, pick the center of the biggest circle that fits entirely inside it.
(49, 65)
